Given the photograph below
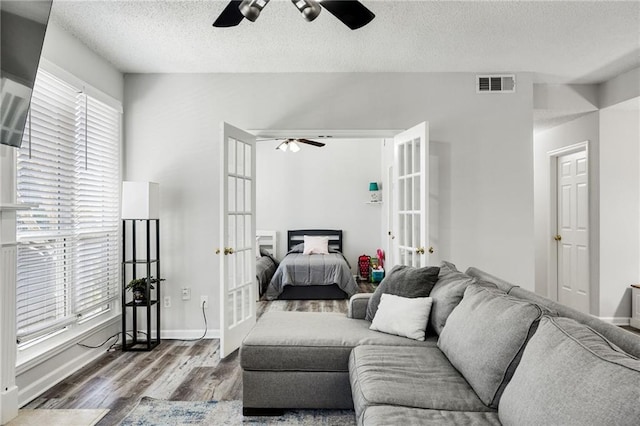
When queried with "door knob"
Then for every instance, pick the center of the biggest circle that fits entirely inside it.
(420, 250)
(431, 250)
(228, 250)
(217, 251)
(558, 237)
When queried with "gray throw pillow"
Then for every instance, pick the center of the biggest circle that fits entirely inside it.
(571, 375)
(446, 294)
(404, 281)
(484, 338)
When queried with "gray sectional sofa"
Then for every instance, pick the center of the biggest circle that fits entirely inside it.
(494, 354)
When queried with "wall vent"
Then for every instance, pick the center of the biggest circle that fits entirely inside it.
(502, 83)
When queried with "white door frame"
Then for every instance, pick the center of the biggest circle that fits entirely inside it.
(390, 197)
(552, 245)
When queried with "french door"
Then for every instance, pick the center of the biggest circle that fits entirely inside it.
(237, 231)
(410, 209)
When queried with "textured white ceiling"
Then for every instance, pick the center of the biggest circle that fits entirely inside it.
(559, 41)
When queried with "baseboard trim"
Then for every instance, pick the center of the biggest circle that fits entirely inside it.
(635, 323)
(616, 320)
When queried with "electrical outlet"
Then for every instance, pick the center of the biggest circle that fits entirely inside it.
(204, 300)
(167, 301)
(186, 293)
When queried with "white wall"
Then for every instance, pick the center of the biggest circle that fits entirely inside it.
(619, 89)
(321, 188)
(619, 210)
(172, 131)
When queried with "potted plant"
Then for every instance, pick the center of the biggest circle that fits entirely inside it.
(139, 288)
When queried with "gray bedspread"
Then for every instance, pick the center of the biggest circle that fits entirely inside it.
(316, 269)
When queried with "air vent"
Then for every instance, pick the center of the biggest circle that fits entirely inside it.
(496, 83)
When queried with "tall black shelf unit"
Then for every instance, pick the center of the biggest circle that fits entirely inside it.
(150, 308)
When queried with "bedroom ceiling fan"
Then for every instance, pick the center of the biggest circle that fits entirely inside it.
(350, 12)
(291, 144)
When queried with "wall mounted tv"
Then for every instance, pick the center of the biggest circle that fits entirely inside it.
(22, 31)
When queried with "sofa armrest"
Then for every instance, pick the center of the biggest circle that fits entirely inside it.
(358, 305)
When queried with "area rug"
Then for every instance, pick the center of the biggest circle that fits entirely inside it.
(65, 417)
(155, 412)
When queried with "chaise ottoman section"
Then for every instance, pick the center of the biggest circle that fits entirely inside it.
(301, 359)
(409, 377)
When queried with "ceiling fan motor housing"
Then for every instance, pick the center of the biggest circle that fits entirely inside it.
(310, 9)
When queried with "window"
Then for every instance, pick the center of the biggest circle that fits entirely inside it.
(68, 169)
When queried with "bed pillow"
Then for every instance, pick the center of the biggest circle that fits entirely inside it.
(484, 338)
(404, 281)
(316, 245)
(402, 316)
(586, 380)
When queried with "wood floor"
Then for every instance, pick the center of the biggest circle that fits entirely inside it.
(175, 370)
(631, 329)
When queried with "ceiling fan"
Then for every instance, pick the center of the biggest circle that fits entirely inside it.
(351, 12)
(291, 144)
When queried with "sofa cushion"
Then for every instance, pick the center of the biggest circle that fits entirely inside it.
(419, 377)
(385, 415)
(404, 281)
(446, 294)
(571, 375)
(310, 341)
(402, 316)
(484, 337)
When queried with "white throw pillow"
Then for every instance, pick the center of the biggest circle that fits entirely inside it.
(316, 245)
(402, 316)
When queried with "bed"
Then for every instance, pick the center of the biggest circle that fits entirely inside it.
(266, 262)
(312, 276)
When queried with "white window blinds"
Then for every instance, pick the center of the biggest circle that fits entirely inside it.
(68, 245)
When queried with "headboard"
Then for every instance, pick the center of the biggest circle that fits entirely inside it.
(266, 240)
(297, 236)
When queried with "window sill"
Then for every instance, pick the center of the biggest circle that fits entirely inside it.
(38, 353)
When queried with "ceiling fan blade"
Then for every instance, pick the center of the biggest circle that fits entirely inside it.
(309, 142)
(351, 12)
(230, 16)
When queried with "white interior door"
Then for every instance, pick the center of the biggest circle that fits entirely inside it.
(573, 231)
(237, 230)
(411, 197)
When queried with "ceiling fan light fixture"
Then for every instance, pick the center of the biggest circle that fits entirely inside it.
(283, 146)
(251, 9)
(310, 9)
(294, 147)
